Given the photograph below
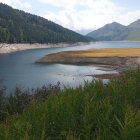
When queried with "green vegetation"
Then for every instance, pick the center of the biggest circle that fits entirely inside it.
(116, 31)
(19, 27)
(96, 111)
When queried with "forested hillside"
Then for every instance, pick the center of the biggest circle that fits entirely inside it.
(20, 27)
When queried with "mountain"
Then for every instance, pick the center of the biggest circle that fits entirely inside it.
(135, 24)
(20, 27)
(135, 31)
(116, 32)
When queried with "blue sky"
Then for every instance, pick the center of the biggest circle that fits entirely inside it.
(81, 15)
(130, 4)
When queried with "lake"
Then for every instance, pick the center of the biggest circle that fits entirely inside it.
(20, 69)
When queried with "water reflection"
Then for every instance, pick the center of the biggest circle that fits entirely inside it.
(19, 68)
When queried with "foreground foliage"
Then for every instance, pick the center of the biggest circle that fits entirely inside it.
(96, 111)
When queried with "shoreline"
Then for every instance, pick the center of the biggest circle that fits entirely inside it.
(9, 48)
(121, 59)
(106, 76)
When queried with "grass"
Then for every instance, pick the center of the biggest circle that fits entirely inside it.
(108, 52)
(96, 111)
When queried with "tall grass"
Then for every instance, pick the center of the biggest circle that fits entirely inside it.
(96, 111)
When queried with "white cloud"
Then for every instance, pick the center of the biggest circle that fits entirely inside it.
(91, 14)
(20, 4)
(63, 3)
(129, 17)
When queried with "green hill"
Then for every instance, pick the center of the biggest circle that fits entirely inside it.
(116, 32)
(20, 27)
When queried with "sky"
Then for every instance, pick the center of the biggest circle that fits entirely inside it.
(82, 16)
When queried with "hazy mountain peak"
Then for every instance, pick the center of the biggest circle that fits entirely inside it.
(114, 24)
(135, 24)
(108, 32)
(116, 31)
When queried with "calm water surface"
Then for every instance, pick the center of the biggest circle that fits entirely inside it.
(20, 69)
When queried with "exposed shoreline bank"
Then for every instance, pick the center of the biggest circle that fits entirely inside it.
(121, 59)
(9, 48)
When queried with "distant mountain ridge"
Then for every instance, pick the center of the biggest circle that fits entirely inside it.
(20, 27)
(135, 24)
(117, 32)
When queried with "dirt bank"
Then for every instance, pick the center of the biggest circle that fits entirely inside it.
(113, 61)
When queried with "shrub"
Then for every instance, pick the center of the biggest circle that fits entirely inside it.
(96, 111)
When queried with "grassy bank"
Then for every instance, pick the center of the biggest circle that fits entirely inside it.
(96, 111)
(110, 56)
(107, 52)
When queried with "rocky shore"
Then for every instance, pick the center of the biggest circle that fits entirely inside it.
(8, 48)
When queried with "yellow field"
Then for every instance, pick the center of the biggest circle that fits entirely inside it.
(120, 52)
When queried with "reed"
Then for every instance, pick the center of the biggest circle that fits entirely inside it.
(96, 111)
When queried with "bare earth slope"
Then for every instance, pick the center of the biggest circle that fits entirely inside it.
(114, 57)
(9, 48)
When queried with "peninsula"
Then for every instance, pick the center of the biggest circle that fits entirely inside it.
(109, 56)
